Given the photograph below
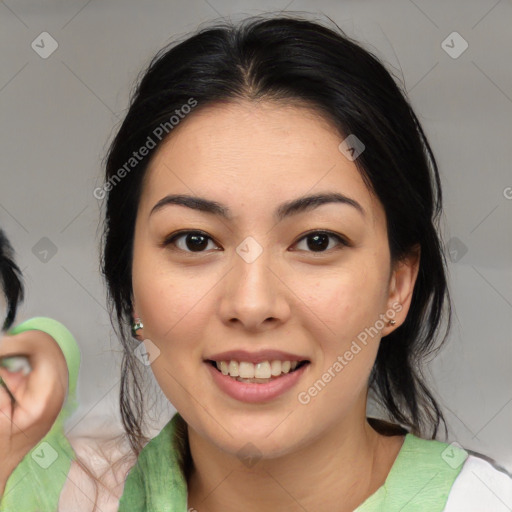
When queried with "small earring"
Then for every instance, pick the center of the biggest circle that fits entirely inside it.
(392, 322)
(137, 325)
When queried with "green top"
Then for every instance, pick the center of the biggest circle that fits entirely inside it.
(37, 481)
(420, 479)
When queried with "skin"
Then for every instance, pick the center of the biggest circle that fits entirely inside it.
(39, 396)
(253, 157)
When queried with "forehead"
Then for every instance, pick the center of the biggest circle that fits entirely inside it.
(246, 153)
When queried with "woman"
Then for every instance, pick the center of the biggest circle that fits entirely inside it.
(271, 253)
(270, 234)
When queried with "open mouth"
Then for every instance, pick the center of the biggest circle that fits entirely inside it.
(259, 373)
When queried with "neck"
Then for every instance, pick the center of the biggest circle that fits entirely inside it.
(337, 471)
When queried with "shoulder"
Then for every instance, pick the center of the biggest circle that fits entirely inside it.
(160, 466)
(472, 481)
(481, 485)
(432, 475)
(166, 449)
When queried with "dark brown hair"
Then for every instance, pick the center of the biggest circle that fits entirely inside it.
(287, 58)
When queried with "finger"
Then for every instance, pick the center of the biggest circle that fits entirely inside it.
(7, 390)
(40, 393)
(7, 406)
(16, 363)
(13, 369)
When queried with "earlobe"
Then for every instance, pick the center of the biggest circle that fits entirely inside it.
(402, 284)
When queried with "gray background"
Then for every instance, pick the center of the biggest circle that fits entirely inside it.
(58, 114)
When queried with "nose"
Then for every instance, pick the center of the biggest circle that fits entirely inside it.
(254, 296)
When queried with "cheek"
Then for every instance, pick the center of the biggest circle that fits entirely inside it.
(172, 313)
(164, 297)
(344, 301)
(161, 302)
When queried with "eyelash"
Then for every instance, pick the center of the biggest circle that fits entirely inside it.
(171, 239)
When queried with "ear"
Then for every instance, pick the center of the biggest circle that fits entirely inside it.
(401, 287)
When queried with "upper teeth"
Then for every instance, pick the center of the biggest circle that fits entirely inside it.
(263, 370)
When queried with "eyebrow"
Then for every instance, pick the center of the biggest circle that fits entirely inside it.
(287, 209)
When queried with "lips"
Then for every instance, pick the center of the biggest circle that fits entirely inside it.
(256, 357)
(256, 390)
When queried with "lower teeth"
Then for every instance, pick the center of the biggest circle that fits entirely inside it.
(256, 381)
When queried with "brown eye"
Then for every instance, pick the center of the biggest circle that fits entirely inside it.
(189, 241)
(318, 241)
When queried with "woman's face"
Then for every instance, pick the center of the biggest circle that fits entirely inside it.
(263, 280)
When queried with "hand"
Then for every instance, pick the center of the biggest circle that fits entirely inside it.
(39, 395)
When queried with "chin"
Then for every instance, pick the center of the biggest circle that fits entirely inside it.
(255, 444)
